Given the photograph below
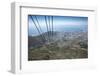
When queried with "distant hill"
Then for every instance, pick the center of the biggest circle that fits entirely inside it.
(49, 37)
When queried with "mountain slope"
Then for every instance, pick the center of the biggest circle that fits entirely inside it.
(60, 45)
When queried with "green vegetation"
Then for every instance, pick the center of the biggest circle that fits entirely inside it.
(56, 50)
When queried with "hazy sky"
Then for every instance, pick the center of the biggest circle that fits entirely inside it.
(60, 23)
